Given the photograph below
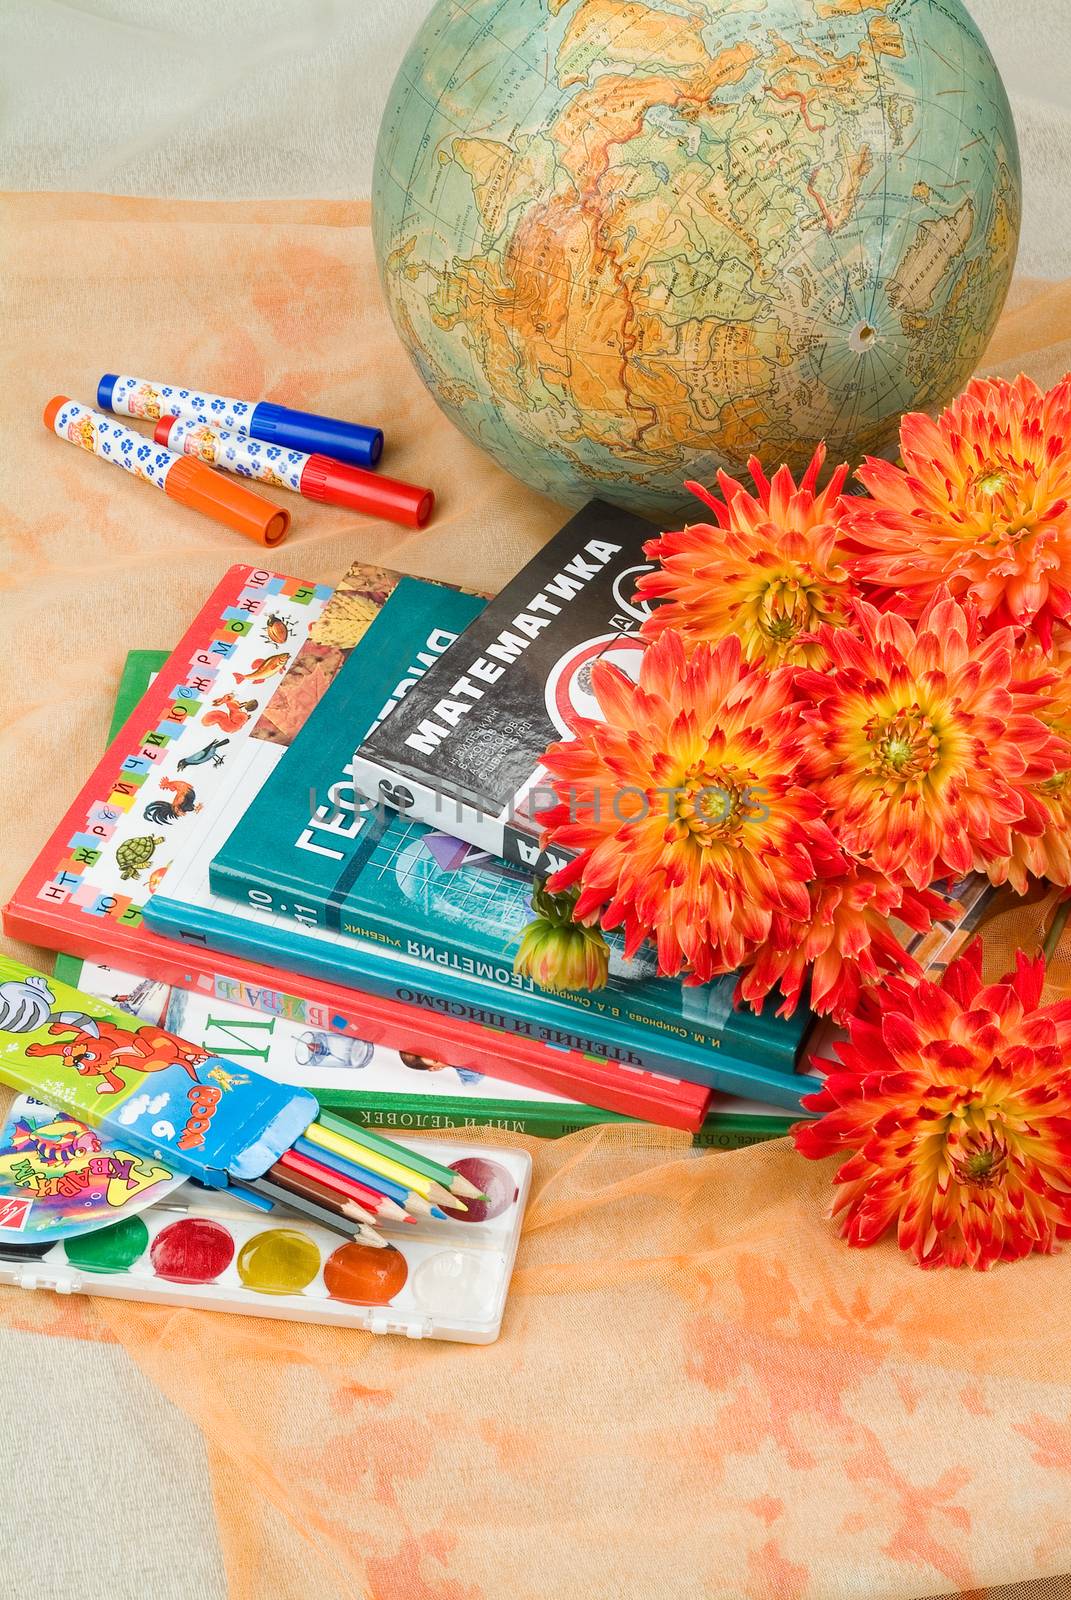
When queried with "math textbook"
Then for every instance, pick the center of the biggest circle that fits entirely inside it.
(313, 849)
(164, 796)
(462, 752)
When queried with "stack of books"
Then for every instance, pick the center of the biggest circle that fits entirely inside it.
(310, 845)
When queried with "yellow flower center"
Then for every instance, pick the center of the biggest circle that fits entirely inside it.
(785, 608)
(787, 604)
(981, 1164)
(975, 1139)
(714, 806)
(1001, 501)
(905, 746)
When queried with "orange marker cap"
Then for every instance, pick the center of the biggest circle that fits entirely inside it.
(185, 479)
(196, 485)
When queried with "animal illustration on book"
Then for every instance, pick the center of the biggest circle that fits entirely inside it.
(134, 855)
(54, 1143)
(228, 713)
(263, 668)
(277, 629)
(99, 1048)
(201, 757)
(164, 812)
(25, 1004)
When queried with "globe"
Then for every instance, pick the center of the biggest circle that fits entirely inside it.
(630, 242)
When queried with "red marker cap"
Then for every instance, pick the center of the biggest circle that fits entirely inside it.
(371, 492)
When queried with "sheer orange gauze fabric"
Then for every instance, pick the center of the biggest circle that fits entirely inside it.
(699, 1392)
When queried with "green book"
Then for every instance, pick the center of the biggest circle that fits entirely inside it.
(139, 669)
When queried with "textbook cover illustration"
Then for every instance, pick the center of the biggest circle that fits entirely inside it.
(179, 759)
(462, 752)
(311, 848)
(357, 600)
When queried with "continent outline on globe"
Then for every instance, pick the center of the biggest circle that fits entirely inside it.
(627, 244)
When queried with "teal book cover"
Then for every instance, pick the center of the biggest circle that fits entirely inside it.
(311, 849)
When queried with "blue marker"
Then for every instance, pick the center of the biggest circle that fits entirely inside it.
(280, 425)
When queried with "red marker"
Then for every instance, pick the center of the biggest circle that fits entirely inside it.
(316, 477)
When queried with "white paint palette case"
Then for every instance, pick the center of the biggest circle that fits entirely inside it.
(445, 1279)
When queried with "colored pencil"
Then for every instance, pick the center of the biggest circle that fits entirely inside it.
(341, 1145)
(328, 1217)
(406, 1198)
(320, 1194)
(325, 1193)
(451, 1180)
(379, 1205)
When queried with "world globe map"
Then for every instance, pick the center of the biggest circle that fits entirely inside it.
(627, 244)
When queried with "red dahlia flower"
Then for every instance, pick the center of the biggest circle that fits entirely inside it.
(767, 570)
(1043, 847)
(844, 945)
(953, 1103)
(684, 809)
(982, 505)
(923, 743)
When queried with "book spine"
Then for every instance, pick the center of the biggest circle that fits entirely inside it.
(322, 959)
(730, 1135)
(272, 893)
(550, 1122)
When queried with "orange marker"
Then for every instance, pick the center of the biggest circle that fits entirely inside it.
(182, 477)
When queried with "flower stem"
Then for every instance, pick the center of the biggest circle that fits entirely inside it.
(1052, 938)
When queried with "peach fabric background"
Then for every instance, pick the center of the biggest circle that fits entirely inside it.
(698, 1392)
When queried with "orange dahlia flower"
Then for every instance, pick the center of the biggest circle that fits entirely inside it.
(844, 945)
(954, 1101)
(1043, 847)
(683, 807)
(768, 570)
(982, 504)
(922, 741)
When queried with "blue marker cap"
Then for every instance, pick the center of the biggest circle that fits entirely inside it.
(105, 390)
(327, 436)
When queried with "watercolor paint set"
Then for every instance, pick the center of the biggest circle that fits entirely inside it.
(288, 1210)
(207, 1249)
